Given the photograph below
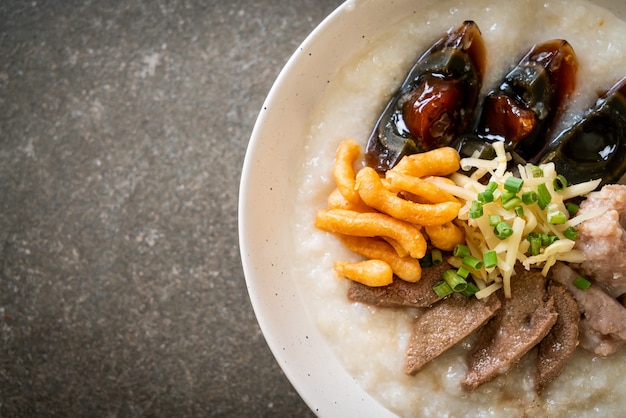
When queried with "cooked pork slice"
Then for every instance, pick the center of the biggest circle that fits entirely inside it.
(601, 344)
(446, 324)
(401, 293)
(603, 238)
(559, 345)
(603, 324)
(524, 319)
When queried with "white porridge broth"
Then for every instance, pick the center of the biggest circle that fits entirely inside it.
(370, 341)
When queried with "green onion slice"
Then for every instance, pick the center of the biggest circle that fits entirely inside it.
(581, 283)
(513, 184)
(461, 250)
(512, 203)
(536, 171)
(442, 289)
(426, 261)
(476, 210)
(530, 197)
(535, 244)
(463, 272)
(472, 262)
(571, 233)
(436, 256)
(470, 290)
(503, 230)
(490, 258)
(572, 208)
(485, 197)
(494, 220)
(508, 195)
(544, 196)
(556, 217)
(492, 186)
(560, 182)
(456, 282)
(547, 239)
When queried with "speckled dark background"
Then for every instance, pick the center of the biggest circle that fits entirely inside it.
(123, 128)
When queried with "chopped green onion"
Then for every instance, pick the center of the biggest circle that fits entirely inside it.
(560, 182)
(461, 250)
(463, 272)
(544, 196)
(490, 259)
(536, 171)
(555, 216)
(547, 239)
(581, 283)
(426, 261)
(436, 256)
(508, 195)
(492, 186)
(476, 210)
(538, 241)
(572, 208)
(512, 203)
(494, 220)
(513, 184)
(485, 197)
(530, 197)
(442, 289)
(470, 290)
(571, 233)
(519, 211)
(535, 243)
(503, 230)
(472, 262)
(456, 282)
(533, 235)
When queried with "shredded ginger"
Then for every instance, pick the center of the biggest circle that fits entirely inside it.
(540, 228)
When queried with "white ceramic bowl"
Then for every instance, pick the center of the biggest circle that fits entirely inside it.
(271, 158)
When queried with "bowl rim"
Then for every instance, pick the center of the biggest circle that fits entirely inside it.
(319, 378)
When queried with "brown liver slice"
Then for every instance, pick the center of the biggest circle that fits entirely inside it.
(444, 325)
(401, 293)
(523, 321)
(559, 345)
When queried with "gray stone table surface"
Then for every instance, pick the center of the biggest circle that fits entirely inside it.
(123, 128)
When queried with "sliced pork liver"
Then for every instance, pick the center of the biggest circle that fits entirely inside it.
(523, 321)
(401, 293)
(559, 345)
(444, 325)
(603, 325)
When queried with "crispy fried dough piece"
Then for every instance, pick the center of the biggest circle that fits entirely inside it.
(374, 273)
(344, 175)
(376, 195)
(437, 162)
(523, 321)
(446, 236)
(348, 222)
(444, 325)
(559, 345)
(406, 268)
